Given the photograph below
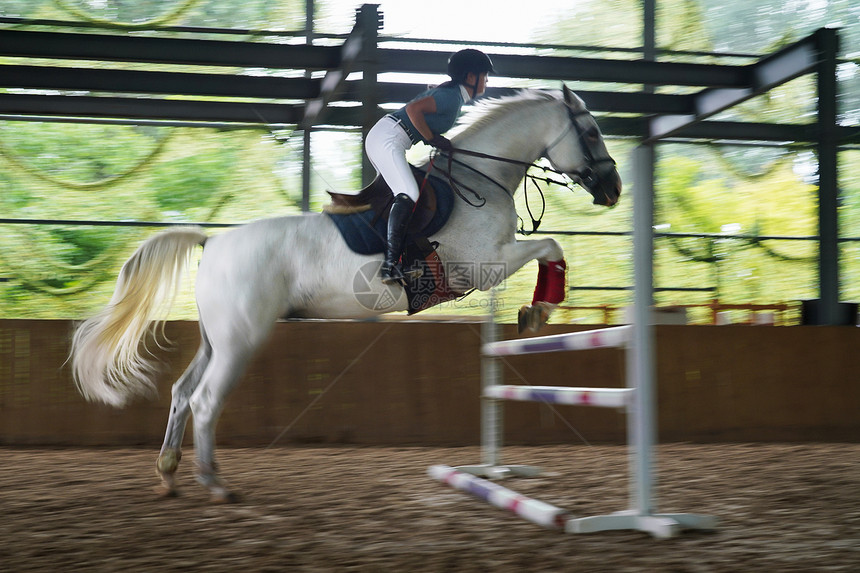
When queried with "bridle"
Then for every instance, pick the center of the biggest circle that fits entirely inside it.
(585, 177)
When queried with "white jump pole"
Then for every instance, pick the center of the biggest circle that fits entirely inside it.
(613, 337)
(566, 395)
(536, 511)
(491, 412)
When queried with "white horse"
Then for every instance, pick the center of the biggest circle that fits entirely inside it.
(299, 266)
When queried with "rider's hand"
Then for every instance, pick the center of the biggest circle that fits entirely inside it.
(441, 142)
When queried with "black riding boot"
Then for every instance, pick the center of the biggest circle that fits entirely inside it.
(398, 221)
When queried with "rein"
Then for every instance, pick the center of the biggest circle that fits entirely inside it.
(585, 177)
(481, 201)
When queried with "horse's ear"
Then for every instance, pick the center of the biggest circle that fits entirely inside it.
(568, 95)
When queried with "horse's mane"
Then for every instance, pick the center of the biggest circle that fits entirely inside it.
(488, 111)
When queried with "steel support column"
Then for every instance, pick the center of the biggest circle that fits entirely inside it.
(828, 192)
(369, 18)
(642, 420)
(649, 34)
(642, 428)
(306, 133)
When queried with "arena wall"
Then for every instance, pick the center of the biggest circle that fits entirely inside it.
(404, 382)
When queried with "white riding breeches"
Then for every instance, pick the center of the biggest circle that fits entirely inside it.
(386, 145)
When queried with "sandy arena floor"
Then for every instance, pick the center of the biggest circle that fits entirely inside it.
(781, 508)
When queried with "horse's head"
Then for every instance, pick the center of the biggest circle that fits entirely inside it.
(579, 152)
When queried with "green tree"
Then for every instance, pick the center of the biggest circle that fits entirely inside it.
(65, 171)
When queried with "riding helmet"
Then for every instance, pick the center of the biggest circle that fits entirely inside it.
(461, 63)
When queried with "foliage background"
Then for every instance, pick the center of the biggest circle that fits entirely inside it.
(144, 173)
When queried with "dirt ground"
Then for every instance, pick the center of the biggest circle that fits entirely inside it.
(788, 507)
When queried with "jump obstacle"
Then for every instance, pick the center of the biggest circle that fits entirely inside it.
(637, 399)
(470, 478)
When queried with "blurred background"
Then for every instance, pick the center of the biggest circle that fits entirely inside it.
(715, 200)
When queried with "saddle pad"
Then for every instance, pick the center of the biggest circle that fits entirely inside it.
(366, 232)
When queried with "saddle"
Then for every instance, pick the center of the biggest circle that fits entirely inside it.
(378, 197)
(362, 220)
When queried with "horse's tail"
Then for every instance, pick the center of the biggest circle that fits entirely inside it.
(108, 349)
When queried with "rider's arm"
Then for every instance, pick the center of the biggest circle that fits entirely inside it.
(416, 111)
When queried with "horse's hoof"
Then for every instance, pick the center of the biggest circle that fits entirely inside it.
(528, 319)
(522, 319)
(532, 317)
(225, 497)
(168, 461)
(166, 492)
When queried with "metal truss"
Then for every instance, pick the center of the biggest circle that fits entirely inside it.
(295, 84)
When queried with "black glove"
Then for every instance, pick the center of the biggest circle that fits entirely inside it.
(441, 142)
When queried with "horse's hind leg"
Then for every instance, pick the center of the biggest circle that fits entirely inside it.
(207, 402)
(171, 449)
(242, 289)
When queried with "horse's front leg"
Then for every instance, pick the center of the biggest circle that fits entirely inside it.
(551, 287)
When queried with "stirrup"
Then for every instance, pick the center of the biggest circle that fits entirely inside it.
(391, 274)
(395, 274)
(412, 273)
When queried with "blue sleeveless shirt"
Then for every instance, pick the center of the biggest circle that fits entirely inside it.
(449, 100)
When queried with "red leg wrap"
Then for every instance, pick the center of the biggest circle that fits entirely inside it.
(540, 287)
(551, 285)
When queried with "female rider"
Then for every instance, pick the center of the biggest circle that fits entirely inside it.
(425, 118)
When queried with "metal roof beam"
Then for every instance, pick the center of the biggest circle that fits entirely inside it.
(714, 130)
(47, 106)
(109, 48)
(744, 131)
(576, 69)
(615, 102)
(228, 85)
(781, 67)
(127, 81)
(150, 109)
